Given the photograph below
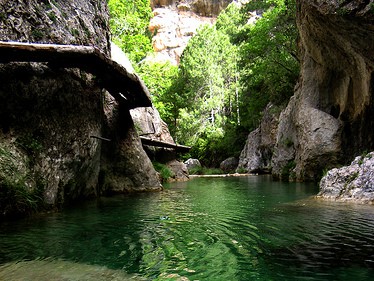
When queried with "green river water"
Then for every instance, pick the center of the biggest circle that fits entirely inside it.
(237, 228)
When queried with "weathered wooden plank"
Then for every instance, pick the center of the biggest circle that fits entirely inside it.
(124, 86)
(177, 147)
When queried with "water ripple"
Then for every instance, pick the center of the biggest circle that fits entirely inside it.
(228, 229)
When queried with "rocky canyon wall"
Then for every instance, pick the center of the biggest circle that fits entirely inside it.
(330, 117)
(175, 22)
(50, 117)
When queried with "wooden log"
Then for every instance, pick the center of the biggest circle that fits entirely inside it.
(125, 87)
(157, 143)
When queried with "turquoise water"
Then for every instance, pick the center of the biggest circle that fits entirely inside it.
(240, 228)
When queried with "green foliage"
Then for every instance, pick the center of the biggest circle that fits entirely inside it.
(52, 16)
(287, 171)
(288, 142)
(207, 90)
(268, 59)
(163, 170)
(29, 143)
(231, 22)
(159, 78)
(16, 198)
(199, 170)
(364, 154)
(129, 25)
(242, 170)
(228, 73)
(20, 192)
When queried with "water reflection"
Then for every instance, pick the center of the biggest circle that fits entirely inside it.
(246, 228)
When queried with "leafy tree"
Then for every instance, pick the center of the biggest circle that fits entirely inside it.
(129, 23)
(217, 114)
(269, 64)
(159, 78)
(207, 84)
(227, 74)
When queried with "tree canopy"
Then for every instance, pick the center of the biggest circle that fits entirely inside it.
(129, 20)
(227, 75)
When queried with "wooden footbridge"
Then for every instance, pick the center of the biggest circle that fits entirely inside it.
(157, 143)
(125, 87)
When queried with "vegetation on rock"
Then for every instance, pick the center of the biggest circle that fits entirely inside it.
(20, 191)
(129, 25)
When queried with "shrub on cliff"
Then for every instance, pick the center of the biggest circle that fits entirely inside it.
(129, 25)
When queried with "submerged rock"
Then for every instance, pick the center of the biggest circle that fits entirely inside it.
(350, 183)
(59, 270)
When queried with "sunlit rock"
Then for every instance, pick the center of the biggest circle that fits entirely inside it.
(350, 183)
(175, 22)
(179, 171)
(120, 57)
(257, 154)
(192, 164)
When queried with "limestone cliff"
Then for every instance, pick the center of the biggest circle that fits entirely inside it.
(50, 117)
(175, 22)
(209, 8)
(330, 117)
(258, 151)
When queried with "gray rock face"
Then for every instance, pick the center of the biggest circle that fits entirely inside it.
(192, 163)
(175, 22)
(149, 124)
(229, 165)
(72, 22)
(179, 170)
(50, 117)
(329, 119)
(125, 165)
(257, 153)
(49, 114)
(350, 183)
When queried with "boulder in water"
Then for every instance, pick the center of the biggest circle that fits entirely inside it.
(350, 183)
